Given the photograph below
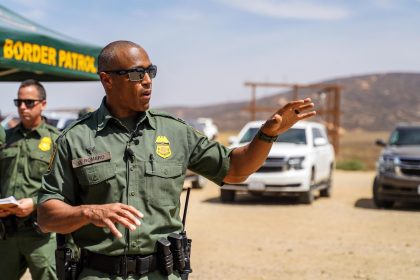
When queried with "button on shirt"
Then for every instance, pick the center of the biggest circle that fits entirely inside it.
(24, 158)
(99, 161)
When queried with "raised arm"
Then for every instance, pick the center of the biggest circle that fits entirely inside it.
(247, 159)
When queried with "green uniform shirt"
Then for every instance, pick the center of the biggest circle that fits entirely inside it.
(24, 158)
(99, 161)
(2, 135)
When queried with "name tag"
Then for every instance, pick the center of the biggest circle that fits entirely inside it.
(90, 159)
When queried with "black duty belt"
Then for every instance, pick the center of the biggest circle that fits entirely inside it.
(120, 265)
(11, 224)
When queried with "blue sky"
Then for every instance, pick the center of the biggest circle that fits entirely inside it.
(205, 50)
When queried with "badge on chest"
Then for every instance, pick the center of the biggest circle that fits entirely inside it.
(163, 149)
(45, 144)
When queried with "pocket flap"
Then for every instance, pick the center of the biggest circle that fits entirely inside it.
(95, 173)
(9, 152)
(42, 156)
(164, 170)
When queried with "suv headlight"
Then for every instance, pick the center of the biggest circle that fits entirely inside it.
(388, 163)
(295, 162)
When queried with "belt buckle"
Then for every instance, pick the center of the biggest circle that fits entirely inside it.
(143, 265)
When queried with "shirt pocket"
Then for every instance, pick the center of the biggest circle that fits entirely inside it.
(8, 157)
(164, 182)
(98, 182)
(38, 164)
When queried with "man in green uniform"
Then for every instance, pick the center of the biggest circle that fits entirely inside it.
(124, 163)
(24, 157)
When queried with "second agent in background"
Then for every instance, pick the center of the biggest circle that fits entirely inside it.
(24, 157)
(117, 175)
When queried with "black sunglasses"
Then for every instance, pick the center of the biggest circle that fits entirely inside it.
(136, 74)
(29, 103)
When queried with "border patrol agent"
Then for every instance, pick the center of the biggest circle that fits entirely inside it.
(117, 174)
(24, 157)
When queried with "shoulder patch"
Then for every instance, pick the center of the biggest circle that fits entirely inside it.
(165, 115)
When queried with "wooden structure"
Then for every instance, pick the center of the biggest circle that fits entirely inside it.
(328, 111)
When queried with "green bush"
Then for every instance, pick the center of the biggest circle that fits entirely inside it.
(351, 164)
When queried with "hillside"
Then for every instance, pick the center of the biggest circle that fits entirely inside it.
(371, 102)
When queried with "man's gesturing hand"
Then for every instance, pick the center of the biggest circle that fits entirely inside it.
(287, 116)
(107, 215)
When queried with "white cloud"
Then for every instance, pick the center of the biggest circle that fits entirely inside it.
(303, 10)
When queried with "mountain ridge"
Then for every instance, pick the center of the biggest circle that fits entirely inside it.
(374, 102)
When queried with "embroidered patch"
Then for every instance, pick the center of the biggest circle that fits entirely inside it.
(91, 159)
(163, 149)
(45, 144)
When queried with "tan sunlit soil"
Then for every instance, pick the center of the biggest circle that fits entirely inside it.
(342, 237)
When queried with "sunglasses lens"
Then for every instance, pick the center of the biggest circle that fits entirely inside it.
(28, 103)
(135, 76)
(152, 71)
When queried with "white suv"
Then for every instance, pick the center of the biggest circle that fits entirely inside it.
(300, 162)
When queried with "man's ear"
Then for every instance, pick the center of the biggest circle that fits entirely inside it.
(43, 104)
(105, 80)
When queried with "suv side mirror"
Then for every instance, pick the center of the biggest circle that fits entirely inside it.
(319, 141)
(380, 142)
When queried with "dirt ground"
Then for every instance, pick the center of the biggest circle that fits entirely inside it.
(342, 237)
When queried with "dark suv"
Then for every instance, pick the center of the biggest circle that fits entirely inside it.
(398, 167)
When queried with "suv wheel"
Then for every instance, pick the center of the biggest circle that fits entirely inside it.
(380, 203)
(307, 197)
(327, 191)
(227, 195)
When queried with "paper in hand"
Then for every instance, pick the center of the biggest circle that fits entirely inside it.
(8, 202)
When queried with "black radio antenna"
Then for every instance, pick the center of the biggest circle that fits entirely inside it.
(184, 216)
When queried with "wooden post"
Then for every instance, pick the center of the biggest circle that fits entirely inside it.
(329, 111)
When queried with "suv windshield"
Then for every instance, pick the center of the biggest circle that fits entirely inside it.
(293, 135)
(405, 136)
